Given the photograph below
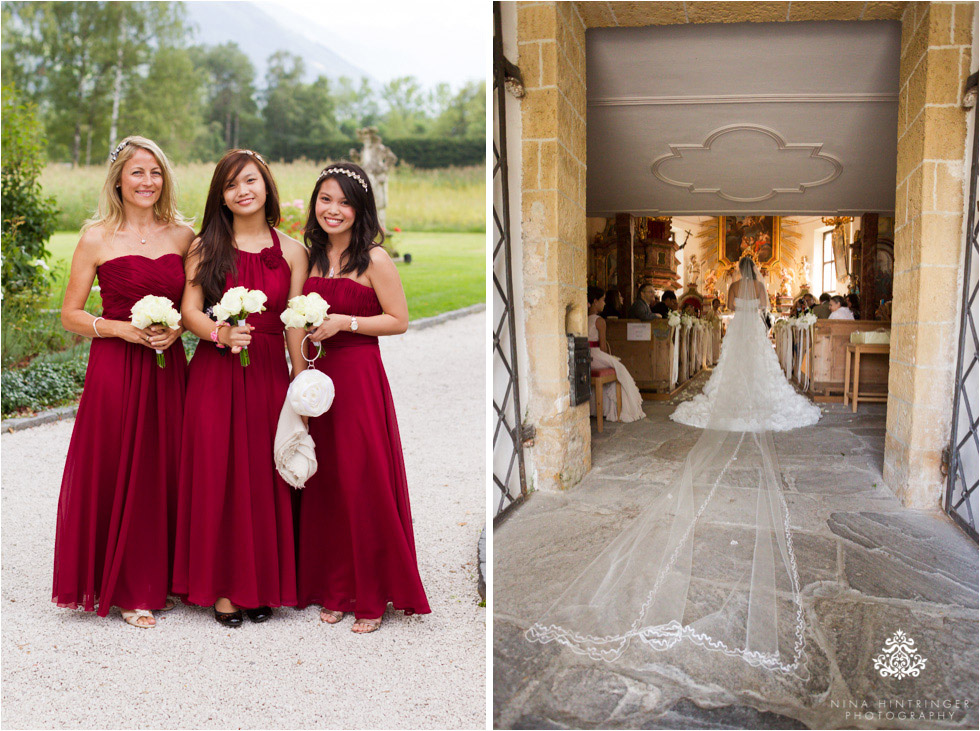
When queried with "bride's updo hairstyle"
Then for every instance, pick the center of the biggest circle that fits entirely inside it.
(366, 233)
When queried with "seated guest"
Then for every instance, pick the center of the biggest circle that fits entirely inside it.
(799, 308)
(602, 358)
(666, 305)
(640, 310)
(809, 301)
(822, 311)
(614, 304)
(839, 309)
(884, 312)
(854, 304)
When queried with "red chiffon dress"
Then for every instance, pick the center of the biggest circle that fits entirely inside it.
(115, 528)
(355, 544)
(234, 518)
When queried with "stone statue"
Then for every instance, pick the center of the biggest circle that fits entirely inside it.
(376, 159)
(804, 271)
(694, 269)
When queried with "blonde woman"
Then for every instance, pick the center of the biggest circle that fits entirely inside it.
(114, 542)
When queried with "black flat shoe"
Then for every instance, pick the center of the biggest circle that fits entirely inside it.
(259, 614)
(230, 619)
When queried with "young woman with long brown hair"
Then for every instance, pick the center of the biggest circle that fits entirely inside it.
(235, 525)
(356, 547)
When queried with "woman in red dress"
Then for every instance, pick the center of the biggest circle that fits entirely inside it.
(235, 545)
(114, 540)
(356, 548)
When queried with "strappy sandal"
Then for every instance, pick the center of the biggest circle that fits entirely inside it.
(133, 617)
(171, 603)
(373, 625)
(330, 616)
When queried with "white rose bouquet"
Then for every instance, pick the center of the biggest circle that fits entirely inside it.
(152, 310)
(237, 304)
(305, 310)
(674, 319)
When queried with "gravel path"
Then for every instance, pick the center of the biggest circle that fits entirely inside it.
(70, 669)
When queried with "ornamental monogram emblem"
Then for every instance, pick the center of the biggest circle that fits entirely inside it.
(899, 658)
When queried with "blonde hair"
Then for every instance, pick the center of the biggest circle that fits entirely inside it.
(110, 213)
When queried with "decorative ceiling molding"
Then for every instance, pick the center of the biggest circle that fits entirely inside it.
(677, 150)
(654, 101)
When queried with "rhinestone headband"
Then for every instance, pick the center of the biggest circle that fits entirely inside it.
(256, 155)
(344, 171)
(115, 153)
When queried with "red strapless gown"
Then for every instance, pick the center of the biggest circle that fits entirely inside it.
(234, 518)
(114, 540)
(355, 546)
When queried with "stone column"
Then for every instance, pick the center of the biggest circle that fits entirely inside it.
(932, 165)
(551, 56)
(624, 259)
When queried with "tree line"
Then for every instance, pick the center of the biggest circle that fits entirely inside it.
(98, 71)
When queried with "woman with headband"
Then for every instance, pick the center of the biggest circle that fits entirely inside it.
(234, 519)
(356, 549)
(115, 528)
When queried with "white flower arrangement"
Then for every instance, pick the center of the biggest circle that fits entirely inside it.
(152, 310)
(806, 320)
(237, 304)
(304, 310)
(674, 319)
(687, 320)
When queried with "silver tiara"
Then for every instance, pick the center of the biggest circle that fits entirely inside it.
(344, 171)
(115, 153)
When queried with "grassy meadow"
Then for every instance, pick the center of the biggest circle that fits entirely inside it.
(448, 270)
(450, 199)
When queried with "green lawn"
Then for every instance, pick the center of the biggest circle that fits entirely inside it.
(448, 270)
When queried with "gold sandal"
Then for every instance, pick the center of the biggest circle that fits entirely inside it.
(372, 626)
(330, 616)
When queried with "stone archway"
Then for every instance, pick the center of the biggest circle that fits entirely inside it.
(936, 58)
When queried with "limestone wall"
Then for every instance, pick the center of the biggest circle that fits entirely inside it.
(551, 55)
(936, 49)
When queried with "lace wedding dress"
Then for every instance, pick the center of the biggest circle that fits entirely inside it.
(747, 390)
(708, 564)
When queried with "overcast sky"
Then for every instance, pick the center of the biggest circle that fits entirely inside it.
(433, 40)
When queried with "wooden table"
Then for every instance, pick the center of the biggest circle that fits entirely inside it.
(857, 349)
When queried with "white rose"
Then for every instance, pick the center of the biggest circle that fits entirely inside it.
(253, 300)
(231, 302)
(221, 314)
(311, 393)
(292, 318)
(316, 309)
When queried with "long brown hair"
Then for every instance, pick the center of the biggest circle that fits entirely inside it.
(215, 250)
(366, 233)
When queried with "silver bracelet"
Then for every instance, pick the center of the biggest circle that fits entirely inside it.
(95, 328)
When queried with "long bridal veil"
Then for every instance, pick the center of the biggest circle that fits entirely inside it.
(708, 565)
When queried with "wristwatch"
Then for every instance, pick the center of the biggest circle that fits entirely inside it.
(353, 324)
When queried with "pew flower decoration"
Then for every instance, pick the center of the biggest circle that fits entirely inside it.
(152, 310)
(687, 320)
(806, 320)
(305, 310)
(674, 319)
(237, 304)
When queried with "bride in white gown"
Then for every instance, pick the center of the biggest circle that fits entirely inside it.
(708, 564)
(747, 390)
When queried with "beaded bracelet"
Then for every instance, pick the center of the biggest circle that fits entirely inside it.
(214, 333)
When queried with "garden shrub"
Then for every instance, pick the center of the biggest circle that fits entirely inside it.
(28, 215)
(42, 384)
